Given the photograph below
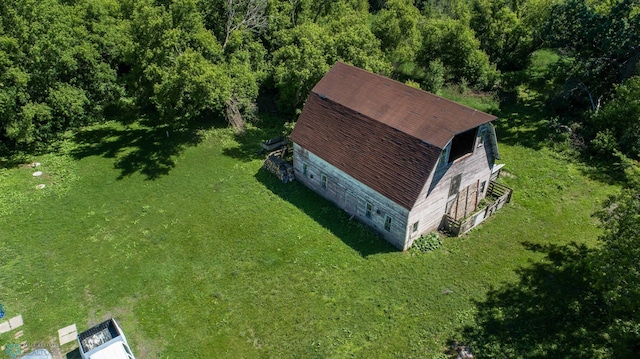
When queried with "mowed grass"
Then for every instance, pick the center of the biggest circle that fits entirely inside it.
(211, 257)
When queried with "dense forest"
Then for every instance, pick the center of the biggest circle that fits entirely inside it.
(71, 63)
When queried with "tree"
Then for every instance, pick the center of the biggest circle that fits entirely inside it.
(244, 15)
(397, 28)
(434, 76)
(602, 39)
(440, 9)
(455, 45)
(302, 58)
(502, 33)
(355, 43)
(580, 301)
(56, 70)
(616, 126)
(306, 52)
(190, 87)
(618, 268)
(247, 69)
(178, 64)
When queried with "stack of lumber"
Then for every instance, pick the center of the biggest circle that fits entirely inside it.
(279, 167)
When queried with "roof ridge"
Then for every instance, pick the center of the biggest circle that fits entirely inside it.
(419, 90)
(416, 112)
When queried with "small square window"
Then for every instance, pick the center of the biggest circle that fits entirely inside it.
(414, 228)
(324, 181)
(368, 210)
(387, 223)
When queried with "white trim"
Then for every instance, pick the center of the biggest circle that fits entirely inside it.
(495, 168)
(494, 140)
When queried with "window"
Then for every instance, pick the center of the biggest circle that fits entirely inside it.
(482, 186)
(304, 168)
(368, 210)
(324, 181)
(454, 188)
(387, 223)
(462, 144)
(414, 228)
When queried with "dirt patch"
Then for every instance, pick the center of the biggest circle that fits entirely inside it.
(54, 349)
(507, 174)
(147, 348)
(30, 165)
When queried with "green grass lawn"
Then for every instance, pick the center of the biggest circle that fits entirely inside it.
(201, 254)
(213, 257)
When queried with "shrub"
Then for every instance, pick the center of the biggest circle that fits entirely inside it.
(427, 243)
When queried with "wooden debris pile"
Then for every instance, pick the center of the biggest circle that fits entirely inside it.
(276, 164)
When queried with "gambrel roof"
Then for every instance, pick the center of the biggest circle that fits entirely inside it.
(381, 132)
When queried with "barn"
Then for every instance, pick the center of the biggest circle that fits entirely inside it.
(399, 159)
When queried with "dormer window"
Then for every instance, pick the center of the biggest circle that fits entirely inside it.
(462, 144)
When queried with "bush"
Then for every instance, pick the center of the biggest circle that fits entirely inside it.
(427, 243)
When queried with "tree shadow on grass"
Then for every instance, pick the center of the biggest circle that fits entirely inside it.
(524, 116)
(138, 148)
(269, 125)
(522, 124)
(248, 148)
(353, 233)
(554, 311)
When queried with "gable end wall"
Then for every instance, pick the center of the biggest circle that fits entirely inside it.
(429, 210)
(351, 196)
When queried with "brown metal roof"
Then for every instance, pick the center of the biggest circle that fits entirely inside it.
(381, 132)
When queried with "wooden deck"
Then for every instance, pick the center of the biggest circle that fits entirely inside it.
(498, 193)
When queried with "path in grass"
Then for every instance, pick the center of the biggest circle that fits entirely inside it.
(218, 259)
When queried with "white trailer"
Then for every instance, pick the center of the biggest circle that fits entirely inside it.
(104, 341)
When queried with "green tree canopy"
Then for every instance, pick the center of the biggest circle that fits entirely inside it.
(603, 38)
(502, 33)
(455, 45)
(302, 58)
(618, 268)
(306, 52)
(57, 70)
(397, 27)
(617, 124)
(178, 64)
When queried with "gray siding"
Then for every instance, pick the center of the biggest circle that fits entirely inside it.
(351, 196)
(430, 208)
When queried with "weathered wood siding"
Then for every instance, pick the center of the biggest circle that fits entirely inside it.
(475, 168)
(351, 196)
(457, 228)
